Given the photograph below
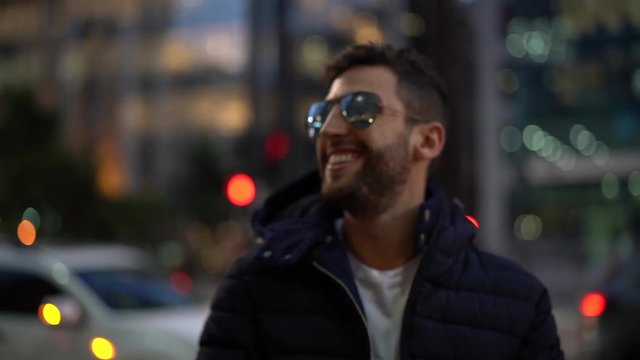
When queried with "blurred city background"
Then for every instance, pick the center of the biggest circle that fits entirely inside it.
(122, 121)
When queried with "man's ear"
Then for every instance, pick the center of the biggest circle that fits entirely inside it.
(428, 140)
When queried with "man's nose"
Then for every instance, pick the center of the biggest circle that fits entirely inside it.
(335, 124)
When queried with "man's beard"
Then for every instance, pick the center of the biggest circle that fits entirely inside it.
(377, 185)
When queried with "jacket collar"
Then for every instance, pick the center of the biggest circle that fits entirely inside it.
(296, 220)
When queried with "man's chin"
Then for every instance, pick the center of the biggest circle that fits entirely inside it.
(335, 189)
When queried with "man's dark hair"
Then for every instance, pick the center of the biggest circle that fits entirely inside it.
(419, 86)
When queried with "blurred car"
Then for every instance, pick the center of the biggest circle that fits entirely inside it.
(93, 302)
(611, 316)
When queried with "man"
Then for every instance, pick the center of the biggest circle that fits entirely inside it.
(367, 261)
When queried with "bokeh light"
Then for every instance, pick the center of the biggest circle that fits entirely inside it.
(277, 146)
(515, 46)
(410, 24)
(60, 273)
(510, 139)
(314, 52)
(576, 129)
(102, 348)
(528, 135)
(241, 190)
(27, 233)
(508, 81)
(567, 158)
(600, 153)
(528, 227)
(550, 149)
(365, 28)
(593, 304)
(181, 282)
(585, 142)
(538, 141)
(610, 185)
(33, 216)
(50, 314)
(634, 183)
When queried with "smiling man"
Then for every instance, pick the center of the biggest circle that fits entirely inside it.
(367, 258)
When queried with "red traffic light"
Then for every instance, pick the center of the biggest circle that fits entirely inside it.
(593, 304)
(241, 190)
(277, 146)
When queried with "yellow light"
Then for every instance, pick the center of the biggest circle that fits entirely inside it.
(27, 233)
(50, 314)
(508, 81)
(314, 52)
(103, 349)
(365, 28)
(528, 227)
(410, 24)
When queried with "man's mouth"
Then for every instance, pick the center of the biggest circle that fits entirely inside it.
(341, 160)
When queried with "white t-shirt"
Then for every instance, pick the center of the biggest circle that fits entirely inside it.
(384, 295)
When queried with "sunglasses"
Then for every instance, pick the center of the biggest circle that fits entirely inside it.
(358, 108)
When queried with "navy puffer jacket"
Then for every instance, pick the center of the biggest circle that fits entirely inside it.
(294, 297)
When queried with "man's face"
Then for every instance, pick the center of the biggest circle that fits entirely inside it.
(364, 170)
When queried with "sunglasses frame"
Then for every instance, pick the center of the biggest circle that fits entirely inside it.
(320, 110)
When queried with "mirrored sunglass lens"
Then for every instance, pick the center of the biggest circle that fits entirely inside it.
(360, 108)
(316, 116)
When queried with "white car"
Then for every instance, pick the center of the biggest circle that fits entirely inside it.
(93, 302)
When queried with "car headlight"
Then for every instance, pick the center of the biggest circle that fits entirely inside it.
(50, 314)
(103, 348)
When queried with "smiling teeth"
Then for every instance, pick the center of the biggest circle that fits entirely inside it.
(340, 158)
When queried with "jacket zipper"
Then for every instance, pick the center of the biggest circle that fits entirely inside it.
(408, 307)
(344, 287)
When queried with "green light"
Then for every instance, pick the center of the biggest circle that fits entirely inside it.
(528, 134)
(538, 43)
(33, 216)
(601, 153)
(574, 132)
(538, 141)
(634, 183)
(515, 45)
(549, 148)
(567, 158)
(510, 139)
(586, 142)
(610, 185)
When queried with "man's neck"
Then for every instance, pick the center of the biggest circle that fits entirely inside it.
(384, 242)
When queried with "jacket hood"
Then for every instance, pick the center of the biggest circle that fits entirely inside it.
(299, 201)
(293, 219)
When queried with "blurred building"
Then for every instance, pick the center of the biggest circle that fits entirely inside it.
(134, 79)
(571, 134)
(137, 80)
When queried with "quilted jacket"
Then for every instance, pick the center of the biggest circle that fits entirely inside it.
(293, 297)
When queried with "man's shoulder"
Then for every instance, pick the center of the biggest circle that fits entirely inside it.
(503, 277)
(267, 259)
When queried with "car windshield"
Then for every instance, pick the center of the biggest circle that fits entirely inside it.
(127, 290)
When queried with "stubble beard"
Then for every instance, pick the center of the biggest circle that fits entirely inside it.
(376, 187)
